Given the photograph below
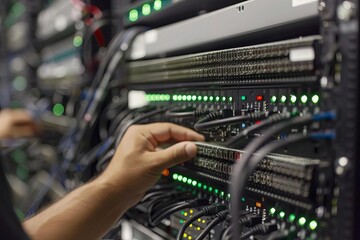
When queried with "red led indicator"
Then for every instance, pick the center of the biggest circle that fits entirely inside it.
(259, 98)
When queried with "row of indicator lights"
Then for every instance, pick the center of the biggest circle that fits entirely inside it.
(145, 10)
(178, 98)
(199, 185)
(291, 218)
(293, 99)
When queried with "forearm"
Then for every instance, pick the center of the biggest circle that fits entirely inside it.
(86, 213)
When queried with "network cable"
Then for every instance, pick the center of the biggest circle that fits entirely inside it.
(241, 170)
(255, 127)
(185, 113)
(208, 122)
(206, 211)
(278, 235)
(186, 204)
(221, 216)
(262, 228)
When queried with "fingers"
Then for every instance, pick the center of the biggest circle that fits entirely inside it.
(21, 117)
(164, 132)
(176, 154)
(23, 131)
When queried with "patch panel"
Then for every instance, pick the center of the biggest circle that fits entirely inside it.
(289, 58)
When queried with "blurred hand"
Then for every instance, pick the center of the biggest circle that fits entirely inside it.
(16, 124)
(137, 164)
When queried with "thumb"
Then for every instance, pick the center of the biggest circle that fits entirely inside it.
(175, 154)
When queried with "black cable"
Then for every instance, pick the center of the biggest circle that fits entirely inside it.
(104, 159)
(240, 170)
(179, 114)
(166, 205)
(255, 127)
(188, 204)
(263, 228)
(240, 173)
(249, 219)
(206, 211)
(221, 216)
(176, 208)
(162, 198)
(107, 115)
(205, 124)
(278, 235)
(248, 167)
(137, 120)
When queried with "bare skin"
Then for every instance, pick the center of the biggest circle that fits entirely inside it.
(16, 124)
(89, 211)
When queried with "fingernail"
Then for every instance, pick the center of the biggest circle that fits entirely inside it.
(190, 150)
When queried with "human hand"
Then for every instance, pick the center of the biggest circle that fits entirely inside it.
(16, 123)
(137, 164)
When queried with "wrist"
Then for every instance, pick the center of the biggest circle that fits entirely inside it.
(117, 190)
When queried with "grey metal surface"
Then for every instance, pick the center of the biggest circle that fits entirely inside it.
(234, 21)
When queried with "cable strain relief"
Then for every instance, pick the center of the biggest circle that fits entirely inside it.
(200, 113)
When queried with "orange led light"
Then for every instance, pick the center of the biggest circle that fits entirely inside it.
(258, 204)
(165, 172)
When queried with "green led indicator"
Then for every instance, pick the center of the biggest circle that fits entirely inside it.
(193, 98)
(188, 97)
(273, 99)
(189, 181)
(162, 97)
(222, 194)
(304, 98)
(230, 99)
(216, 191)
(199, 98)
(205, 98)
(157, 5)
(272, 211)
(175, 176)
(184, 179)
(19, 83)
(217, 98)
(291, 217)
(228, 196)
(133, 15)
(293, 98)
(180, 178)
(302, 221)
(243, 98)
(22, 172)
(243, 199)
(184, 97)
(181, 221)
(194, 183)
(315, 99)
(147, 97)
(167, 97)
(77, 41)
(313, 225)
(283, 99)
(204, 187)
(199, 185)
(174, 98)
(223, 99)
(211, 98)
(210, 189)
(146, 9)
(281, 214)
(58, 109)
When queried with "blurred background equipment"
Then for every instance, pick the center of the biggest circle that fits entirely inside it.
(273, 85)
